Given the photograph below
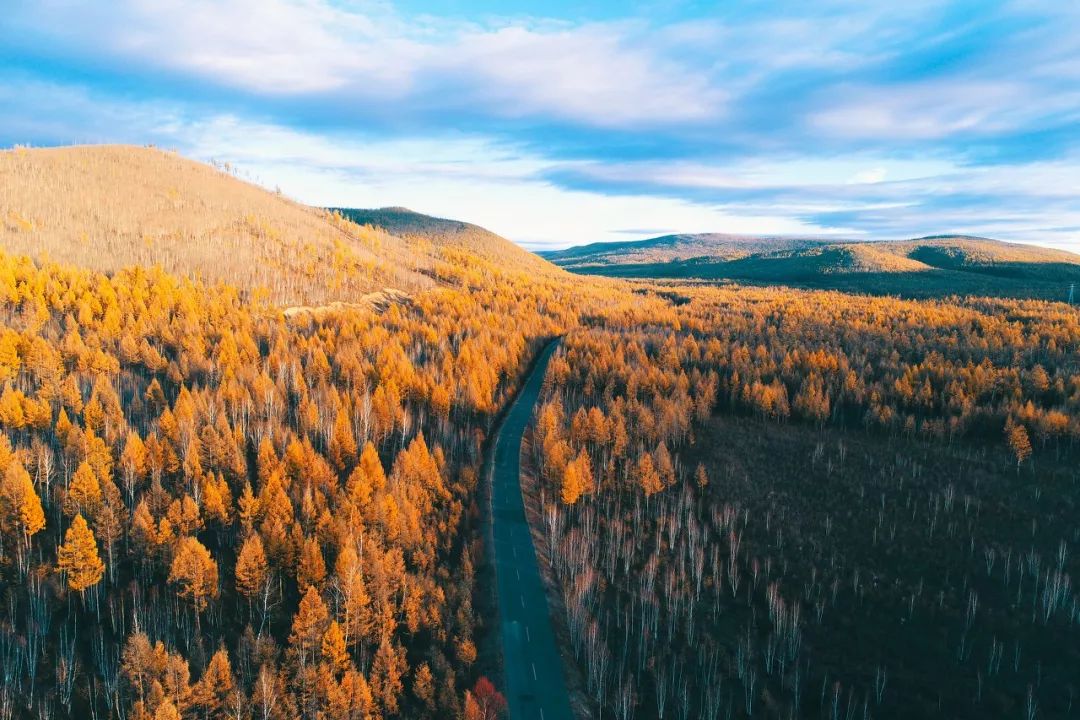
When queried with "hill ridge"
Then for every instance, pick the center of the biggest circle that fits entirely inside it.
(106, 207)
(926, 265)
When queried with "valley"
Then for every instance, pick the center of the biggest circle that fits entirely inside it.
(473, 360)
(243, 465)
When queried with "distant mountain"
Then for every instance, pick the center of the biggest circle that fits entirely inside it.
(934, 265)
(670, 248)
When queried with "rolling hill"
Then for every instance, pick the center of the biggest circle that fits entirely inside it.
(672, 248)
(415, 226)
(935, 265)
(109, 207)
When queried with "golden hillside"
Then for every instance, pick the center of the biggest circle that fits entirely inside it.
(415, 226)
(108, 207)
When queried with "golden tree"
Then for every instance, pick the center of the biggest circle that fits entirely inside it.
(342, 441)
(311, 570)
(195, 572)
(354, 608)
(386, 671)
(372, 467)
(211, 693)
(19, 502)
(167, 711)
(84, 491)
(424, 687)
(577, 478)
(309, 626)
(1019, 442)
(78, 557)
(333, 647)
(251, 567)
(647, 476)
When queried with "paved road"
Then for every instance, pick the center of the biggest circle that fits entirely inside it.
(535, 688)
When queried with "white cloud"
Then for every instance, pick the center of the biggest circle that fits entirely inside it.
(603, 74)
(869, 176)
(799, 171)
(464, 177)
(930, 110)
(591, 72)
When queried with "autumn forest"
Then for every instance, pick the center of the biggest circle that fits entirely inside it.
(245, 472)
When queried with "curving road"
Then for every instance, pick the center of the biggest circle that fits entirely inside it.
(535, 688)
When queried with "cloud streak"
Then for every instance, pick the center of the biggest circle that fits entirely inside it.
(602, 74)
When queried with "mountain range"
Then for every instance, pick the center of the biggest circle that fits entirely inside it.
(930, 265)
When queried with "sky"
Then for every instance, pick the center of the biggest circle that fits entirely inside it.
(565, 122)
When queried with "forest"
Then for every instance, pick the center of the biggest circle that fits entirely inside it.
(773, 503)
(211, 511)
(260, 495)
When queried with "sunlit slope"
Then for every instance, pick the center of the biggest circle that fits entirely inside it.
(107, 207)
(990, 256)
(925, 266)
(443, 232)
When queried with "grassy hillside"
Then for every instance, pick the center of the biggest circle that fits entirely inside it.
(923, 267)
(107, 207)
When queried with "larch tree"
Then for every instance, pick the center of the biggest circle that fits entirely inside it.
(351, 698)
(167, 711)
(665, 466)
(472, 710)
(84, 491)
(354, 607)
(12, 404)
(423, 687)
(386, 672)
(251, 569)
(573, 485)
(311, 570)
(1019, 442)
(372, 467)
(195, 573)
(248, 506)
(647, 476)
(342, 441)
(577, 478)
(210, 696)
(20, 506)
(308, 628)
(333, 647)
(78, 557)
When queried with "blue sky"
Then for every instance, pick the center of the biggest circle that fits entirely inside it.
(566, 122)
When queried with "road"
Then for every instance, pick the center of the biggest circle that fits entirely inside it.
(535, 687)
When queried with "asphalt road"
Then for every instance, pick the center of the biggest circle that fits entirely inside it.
(535, 688)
